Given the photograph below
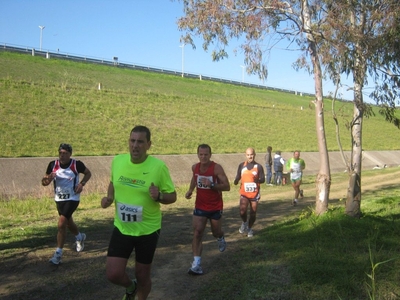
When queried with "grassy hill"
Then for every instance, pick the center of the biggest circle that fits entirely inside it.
(46, 101)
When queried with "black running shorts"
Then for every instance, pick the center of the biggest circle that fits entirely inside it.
(122, 245)
(66, 208)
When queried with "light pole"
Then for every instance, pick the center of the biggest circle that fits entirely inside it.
(183, 52)
(41, 34)
(242, 73)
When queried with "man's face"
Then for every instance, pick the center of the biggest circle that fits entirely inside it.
(204, 155)
(64, 156)
(138, 146)
(250, 155)
(296, 155)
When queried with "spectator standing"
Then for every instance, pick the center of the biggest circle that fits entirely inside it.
(139, 184)
(268, 165)
(251, 174)
(210, 180)
(279, 162)
(295, 166)
(64, 173)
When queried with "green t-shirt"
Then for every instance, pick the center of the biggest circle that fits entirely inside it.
(297, 166)
(136, 213)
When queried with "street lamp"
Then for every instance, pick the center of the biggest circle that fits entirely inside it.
(242, 73)
(183, 52)
(41, 34)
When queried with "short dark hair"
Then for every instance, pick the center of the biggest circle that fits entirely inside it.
(203, 146)
(66, 147)
(141, 128)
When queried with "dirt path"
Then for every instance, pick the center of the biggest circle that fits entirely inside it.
(28, 275)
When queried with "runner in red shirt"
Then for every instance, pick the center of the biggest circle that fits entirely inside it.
(210, 180)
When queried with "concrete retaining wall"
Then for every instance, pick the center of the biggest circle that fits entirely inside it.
(22, 176)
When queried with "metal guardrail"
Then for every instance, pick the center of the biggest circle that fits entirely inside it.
(58, 55)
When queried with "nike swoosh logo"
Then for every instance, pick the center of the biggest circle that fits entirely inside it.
(145, 173)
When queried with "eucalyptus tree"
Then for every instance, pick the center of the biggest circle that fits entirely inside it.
(252, 23)
(362, 40)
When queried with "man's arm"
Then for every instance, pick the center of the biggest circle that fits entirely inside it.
(288, 165)
(86, 176)
(192, 186)
(238, 174)
(167, 198)
(261, 174)
(157, 195)
(107, 201)
(223, 182)
(49, 176)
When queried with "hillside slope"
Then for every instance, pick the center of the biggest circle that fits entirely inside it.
(46, 101)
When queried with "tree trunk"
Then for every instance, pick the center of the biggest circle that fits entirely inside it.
(323, 180)
(353, 201)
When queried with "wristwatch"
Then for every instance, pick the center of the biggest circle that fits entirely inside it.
(212, 185)
(160, 196)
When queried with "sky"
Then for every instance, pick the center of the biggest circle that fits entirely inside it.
(140, 32)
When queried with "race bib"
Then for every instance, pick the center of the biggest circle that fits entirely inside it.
(200, 179)
(129, 213)
(250, 187)
(296, 167)
(296, 173)
(63, 194)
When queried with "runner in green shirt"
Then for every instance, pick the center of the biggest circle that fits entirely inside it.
(139, 184)
(295, 166)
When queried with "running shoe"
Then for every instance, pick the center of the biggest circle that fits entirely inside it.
(294, 203)
(243, 228)
(301, 193)
(131, 296)
(250, 233)
(221, 244)
(197, 270)
(81, 244)
(56, 259)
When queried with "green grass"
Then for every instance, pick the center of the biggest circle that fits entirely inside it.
(46, 101)
(331, 256)
(303, 256)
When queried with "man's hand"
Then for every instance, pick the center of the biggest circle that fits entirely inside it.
(106, 202)
(154, 191)
(188, 195)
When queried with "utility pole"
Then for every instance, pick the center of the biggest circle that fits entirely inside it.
(41, 35)
(183, 52)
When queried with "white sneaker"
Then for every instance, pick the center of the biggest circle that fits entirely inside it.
(250, 233)
(196, 270)
(243, 228)
(56, 259)
(221, 244)
(81, 244)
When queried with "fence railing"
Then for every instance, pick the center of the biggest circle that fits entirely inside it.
(81, 58)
